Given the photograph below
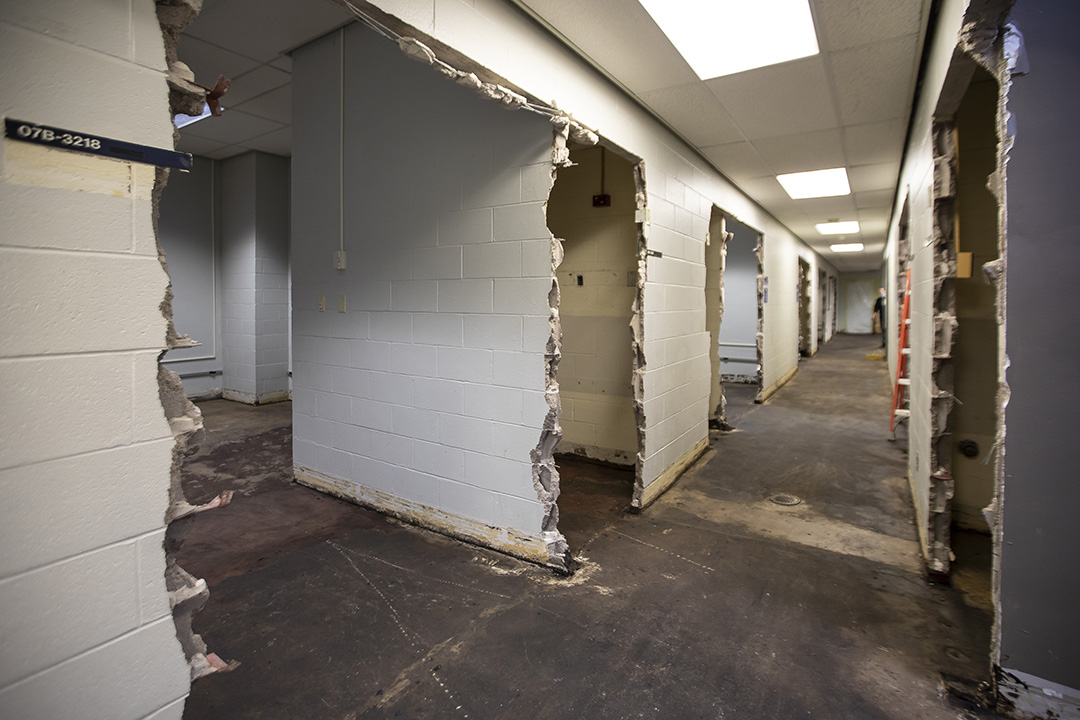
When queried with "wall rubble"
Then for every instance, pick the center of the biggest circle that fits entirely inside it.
(187, 594)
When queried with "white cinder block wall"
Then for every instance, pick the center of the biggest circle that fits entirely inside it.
(271, 184)
(427, 395)
(682, 189)
(238, 234)
(254, 211)
(84, 445)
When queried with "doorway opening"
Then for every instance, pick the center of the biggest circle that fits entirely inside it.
(734, 314)
(592, 210)
(806, 318)
(834, 302)
(823, 303)
(967, 450)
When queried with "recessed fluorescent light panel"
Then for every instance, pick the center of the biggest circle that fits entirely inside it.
(816, 183)
(723, 37)
(847, 247)
(847, 227)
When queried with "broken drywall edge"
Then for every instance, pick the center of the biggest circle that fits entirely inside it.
(544, 472)
(1027, 697)
(759, 337)
(417, 50)
(184, 508)
(186, 594)
(648, 495)
(771, 390)
(534, 548)
(637, 327)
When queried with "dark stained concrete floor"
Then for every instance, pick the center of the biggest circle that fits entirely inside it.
(712, 603)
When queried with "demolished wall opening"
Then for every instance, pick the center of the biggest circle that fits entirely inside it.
(741, 282)
(834, 303)
(806, 318)
(972, 423)
(592, 212)
(715, 256)
(823, 304)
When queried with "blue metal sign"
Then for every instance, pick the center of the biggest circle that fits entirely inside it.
(95, 145)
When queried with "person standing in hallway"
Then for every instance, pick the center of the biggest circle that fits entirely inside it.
(879, 314)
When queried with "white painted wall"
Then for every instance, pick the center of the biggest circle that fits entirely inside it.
(84, 444)
(187, 232)
(601, 246)
(682, 189)
(254, 213)
(430, 388)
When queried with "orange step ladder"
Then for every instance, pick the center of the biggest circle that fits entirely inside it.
(903, 353)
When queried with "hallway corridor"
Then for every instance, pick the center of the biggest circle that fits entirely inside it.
(712, 603)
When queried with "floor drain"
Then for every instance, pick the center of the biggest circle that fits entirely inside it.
(785, 499)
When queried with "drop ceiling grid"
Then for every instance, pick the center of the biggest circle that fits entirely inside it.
(847, 106)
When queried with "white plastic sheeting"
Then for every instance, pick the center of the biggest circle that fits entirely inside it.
(859, 305)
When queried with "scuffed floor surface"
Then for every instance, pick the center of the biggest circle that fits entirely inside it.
(713, 603)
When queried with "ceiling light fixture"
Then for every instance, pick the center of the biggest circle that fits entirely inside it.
(847, 247)
(816, 183)
(724, 37)
(846, 227)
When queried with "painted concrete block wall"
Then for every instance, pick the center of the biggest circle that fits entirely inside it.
(738, 329)
(84, 444)
(1039, 575)
(238, 234)
(187, 232)
(271, 277)
(254, 212)
(428, 392)
(601, 246)
(682, 189)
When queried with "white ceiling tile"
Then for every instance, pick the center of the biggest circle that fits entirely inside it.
(234, 126)
(806, 151)
(784, 99)
(874, 142)
(282, 62)
(875, 199)
(278, 142)
(254, 83)
(880, 176)
(196, 145)
(766, 190)
(264, 29)
(209, 61)
(695, 112)
(849, 23)
(874, 221)
(622, 38)
(826, 209)
(874, 82)
(273, 105)
(227, 151)
(737, 160)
